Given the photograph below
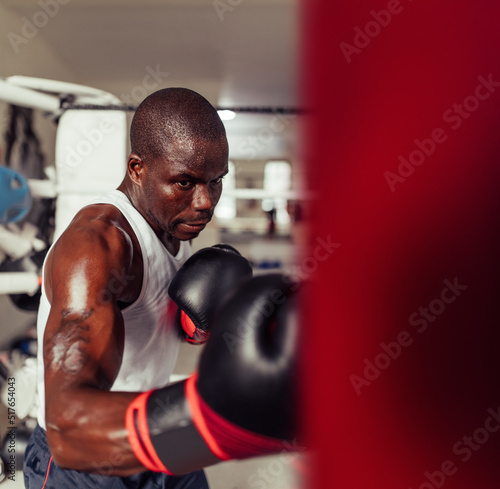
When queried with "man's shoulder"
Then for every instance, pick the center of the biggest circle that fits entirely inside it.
(92, 247)
(98, 227)
(101, 213)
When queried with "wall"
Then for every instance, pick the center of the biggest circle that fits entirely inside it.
(33, 58)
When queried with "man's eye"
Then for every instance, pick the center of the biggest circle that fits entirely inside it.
(217, 180)
(184, 184)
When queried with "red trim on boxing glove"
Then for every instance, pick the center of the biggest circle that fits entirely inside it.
(225, 439)
(194, 401)
(187, 324)
(222, 438)
(136, 422)
(194, 334)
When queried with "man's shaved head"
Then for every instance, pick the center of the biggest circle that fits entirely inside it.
(173, 116)
(179, 157)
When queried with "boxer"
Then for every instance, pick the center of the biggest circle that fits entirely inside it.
(104, 324)
(108, 343)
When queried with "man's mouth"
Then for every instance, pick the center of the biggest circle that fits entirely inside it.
(194, 226)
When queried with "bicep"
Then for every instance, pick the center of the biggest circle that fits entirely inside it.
(83, 339)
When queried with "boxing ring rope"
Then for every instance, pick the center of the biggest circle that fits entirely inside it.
(57, 99)
(237, 109)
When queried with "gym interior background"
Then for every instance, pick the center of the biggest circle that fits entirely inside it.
(237, 53)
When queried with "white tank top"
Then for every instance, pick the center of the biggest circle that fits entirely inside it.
(151, 341)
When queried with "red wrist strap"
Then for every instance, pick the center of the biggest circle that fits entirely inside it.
(225, 439)
(136, 422)
(194, 401)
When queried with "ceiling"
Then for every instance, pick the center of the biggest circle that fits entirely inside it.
(235, 52)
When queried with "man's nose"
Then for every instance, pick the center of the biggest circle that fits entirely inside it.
(202, 198)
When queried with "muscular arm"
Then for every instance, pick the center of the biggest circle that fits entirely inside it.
(83, 347)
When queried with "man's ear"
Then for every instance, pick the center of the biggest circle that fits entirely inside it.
(136, 168)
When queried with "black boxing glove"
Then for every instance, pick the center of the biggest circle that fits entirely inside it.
(201, 283)
(242, 402)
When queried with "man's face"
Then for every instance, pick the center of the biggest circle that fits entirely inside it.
(181, 190)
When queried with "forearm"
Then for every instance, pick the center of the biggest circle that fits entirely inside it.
(86, 432)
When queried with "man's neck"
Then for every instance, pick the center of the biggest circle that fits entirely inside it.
(171, 243)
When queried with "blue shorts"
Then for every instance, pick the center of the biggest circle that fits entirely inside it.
(41, 472)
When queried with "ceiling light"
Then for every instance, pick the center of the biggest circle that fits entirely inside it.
(226, 115)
